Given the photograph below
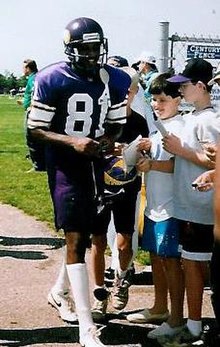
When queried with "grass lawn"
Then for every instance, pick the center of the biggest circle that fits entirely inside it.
(27, 191)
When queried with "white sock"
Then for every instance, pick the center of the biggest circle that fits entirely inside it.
(78, 278)
(62, 284)
(194, 326)
(115, 255)
(99, 287)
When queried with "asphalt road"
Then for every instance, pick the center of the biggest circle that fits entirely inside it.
(30, 255)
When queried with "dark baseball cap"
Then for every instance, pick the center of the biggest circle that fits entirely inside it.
(118, 61)
(197, 69)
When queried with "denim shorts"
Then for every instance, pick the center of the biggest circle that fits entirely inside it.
(162, 238)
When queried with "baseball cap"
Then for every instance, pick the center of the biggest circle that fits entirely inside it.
(197, 69)
(117, 61)
(147, 57)
(216, 76)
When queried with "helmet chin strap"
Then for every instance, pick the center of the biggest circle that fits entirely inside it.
(93, 72)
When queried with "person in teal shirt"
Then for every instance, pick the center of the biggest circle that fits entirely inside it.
(36, 150)
(30, 69)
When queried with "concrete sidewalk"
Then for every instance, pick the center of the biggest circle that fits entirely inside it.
(31, 255)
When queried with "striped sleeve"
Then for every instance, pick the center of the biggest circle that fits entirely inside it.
(40, 115)
(117, 113)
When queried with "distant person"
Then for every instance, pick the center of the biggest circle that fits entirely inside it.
(161, 235)
(148, 71)
(29, 69)
(36, 150)
(78, 110)
(216, 77)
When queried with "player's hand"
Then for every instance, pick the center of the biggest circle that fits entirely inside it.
(106, 145)
(86, 146)
(118, 148)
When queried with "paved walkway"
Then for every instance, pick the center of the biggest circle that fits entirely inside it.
(30, 256)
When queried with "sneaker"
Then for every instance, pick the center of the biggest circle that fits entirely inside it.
(183, 339)
(91, 338)
(99, 310)
(146, 317)
(63, 304)
(120, 293)
(164, 330)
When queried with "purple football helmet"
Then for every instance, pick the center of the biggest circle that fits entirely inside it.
(85, 44)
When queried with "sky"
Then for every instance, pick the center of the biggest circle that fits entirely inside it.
(34, 29)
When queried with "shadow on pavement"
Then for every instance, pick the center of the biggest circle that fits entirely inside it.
(7, 242)
(24, 337)
(32, 255)
(113, 335)
(52, 242)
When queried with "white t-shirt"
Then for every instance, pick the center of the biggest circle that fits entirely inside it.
(192, 205)
(160, 184)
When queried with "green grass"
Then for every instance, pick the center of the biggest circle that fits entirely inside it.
(26, 191)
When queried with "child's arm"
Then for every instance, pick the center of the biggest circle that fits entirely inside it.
(146, 164)
(172, 144)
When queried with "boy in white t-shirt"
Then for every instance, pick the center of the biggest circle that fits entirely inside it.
(161, 231)
(195, 212)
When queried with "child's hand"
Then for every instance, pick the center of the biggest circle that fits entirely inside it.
(144, 144)
(210, 150)
(143, 164)
(205, 181)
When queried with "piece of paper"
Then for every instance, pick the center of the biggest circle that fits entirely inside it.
(130, 154)
(161, 127)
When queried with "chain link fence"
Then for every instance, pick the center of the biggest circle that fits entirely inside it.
(176, 50)
(183, 48)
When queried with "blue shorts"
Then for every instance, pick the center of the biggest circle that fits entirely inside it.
(161, 238)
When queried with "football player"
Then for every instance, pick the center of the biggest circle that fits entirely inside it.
(78, 110)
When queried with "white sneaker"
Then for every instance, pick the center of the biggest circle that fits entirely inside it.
(91, 338)
(164, 330)
(145, 316)
(63, 304)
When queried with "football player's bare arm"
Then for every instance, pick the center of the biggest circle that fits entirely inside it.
(83, 145)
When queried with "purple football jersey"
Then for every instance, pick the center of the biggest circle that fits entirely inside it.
(67, 103)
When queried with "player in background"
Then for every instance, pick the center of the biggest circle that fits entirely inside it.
(122, 208)
(78, 111)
